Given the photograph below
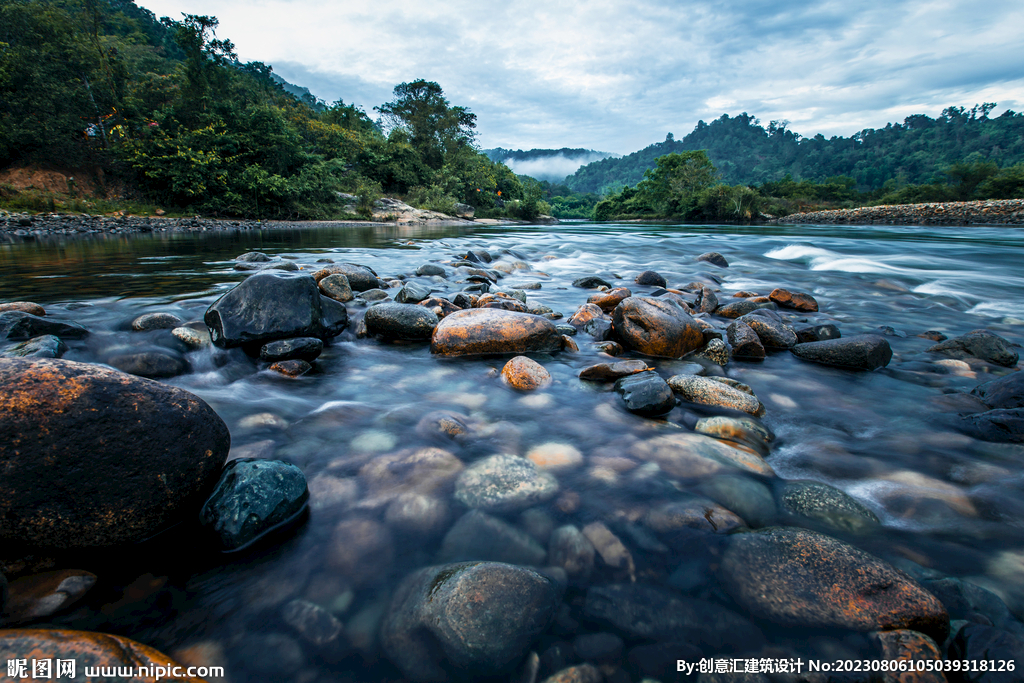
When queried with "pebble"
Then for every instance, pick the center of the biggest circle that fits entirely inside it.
(827, 505)
(525, 374)
(555, 456)
(504, 483)
(646, 393)
(706, 391)
(479, 536)
(610, 548)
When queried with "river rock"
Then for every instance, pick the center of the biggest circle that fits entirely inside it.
(745, 343)
(479, 536)
(585, 314)
(336, 287)
(975, 642)
(253, 257)
(132, 456)
(430, 269)
(581, 673)
(773, 334)
(569, 549)
(714, 258)
(490, 330)
(827, 505)
(525, 374)
(400, 321)
(911, 647)
(591, 282)
(978, 344)
(797, 577)
(300, 348)
(156, 321)
(412, 293)
(795, 300)
(965, 600)
(735, 309)
(696, 513)
(197, 339)
(646, 612)
(863, 352)
(270, 306)
(607, 301)
(154, 363)
(291, 368)
(656, 327)
(17, 325)
(813, 333)
(606, 372)
(504, 483)
(471, 619)
(428, 471)
(745, 430)
(360, 278)
(40, 595)
(686, 455)
(706, 301)
(24, 307)
(86, 649)
(312, 622)
(646, 393)
(708, 392)
(650, 277)
(45, 346)
(252, 498)
(361, 550)
(744, 495)
(995, 425)
(1005, 392)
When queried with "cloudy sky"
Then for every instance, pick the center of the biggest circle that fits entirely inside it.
(617, 75)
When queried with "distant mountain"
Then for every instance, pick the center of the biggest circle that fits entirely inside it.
(745, 152)
(300, 93)
(552, 165)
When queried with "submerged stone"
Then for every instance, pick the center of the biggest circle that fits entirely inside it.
(16, 325)
(827, 505)
(45, 346)
(864, 352)
(504, 483)
(646, 393)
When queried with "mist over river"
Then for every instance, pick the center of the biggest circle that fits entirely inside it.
(946, 505)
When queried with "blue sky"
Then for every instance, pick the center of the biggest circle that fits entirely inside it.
(618, 75)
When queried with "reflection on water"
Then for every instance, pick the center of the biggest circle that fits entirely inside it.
(947, 503)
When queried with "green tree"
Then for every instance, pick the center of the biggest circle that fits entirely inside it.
(671, 186)
(435, 127)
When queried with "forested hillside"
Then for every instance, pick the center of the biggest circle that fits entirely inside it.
(166, 107)
(917, 151)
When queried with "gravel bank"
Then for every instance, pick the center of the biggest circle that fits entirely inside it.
(988, 212)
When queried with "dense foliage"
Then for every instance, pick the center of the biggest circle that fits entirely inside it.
(918, 151)
(167, 106)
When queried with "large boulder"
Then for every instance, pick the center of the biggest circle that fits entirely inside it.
(17, 325)
(1005, 392)
(87, 650)
(360, 278)
(471, 620)
(656, 327)
(796, 577)
(270, 306)
(979, 344)
(400, 321)
(493, 330)
(95, 457)
(864, 352)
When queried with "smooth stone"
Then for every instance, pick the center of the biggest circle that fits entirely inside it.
(715, 351)
(87, 649)
(965, 600)
(24, 307)
(708, 392)
(1005, 426)
(647, 612)
(686, 455)
(197, 339)
(291, 368)
(417, 514)
(41, 595)
(252, 498)
(132, 456)
(18, 325)
(656, 327)
(978, 642)
(504, 483)
(525, 374)
(297, 348)
(361, 550)
(581, 673)
(863, 352)
(555, 456)
(795, 300)
(591, 282)
(475, 618)
(270, 306)
(336, 287)
(706, 301)
(699, 514)
(813, 333)
(44, 346)
(156, 321)
(569, 549)
(427, 471)
(479, 536)
(312, 622)
(750, 499)
(743, 430)
(412, 293)
(827, 505)
(253, 257)
(1005, 392)
(735, 309)
(610, 548)
(773, 334)
(796, 577)
(911, 647)
(585, 314)
(979, 344)
(650, 277)
(154, 364)
(360, 278)
(646, 394)
(490, 330)
(606, 372)
(401, 321)
(369, 296)
(714, 258)
(431, 269)
(607, 301)
(745, 342)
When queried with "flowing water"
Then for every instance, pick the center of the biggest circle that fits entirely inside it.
(948, 504)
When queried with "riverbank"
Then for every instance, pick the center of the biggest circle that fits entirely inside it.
(982, 212)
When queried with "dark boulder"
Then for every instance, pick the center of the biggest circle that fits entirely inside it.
(252, 498)
(45, 346)
(795, 300)
(270, 306)
(772, 333)
(298, 348)
(646, 393)
(591, 282)
(975, 642)
(813, 333)
(1004, 425)
(130, 456)
(650, 277)
(400, 321)
(431, 269)
(706, 301)
(745, 343)
(154, 363)
(16, 325)
(734, 309)
(863, 352)
(1005, 392)
(360, 278)
(656, 327)
(978, 344)
(714, 258)
(412, 293)
(492, 330)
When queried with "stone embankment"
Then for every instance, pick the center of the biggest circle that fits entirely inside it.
(988, 212)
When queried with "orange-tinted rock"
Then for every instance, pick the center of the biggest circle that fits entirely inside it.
(569, 344)
(40, 595)
(796, 300)
(502, 301)
(607, 301)
(909, 646)
(87, 649)
(440, 307)
(584, 314)
(24, 307)
(428, 471)
(607, 372)
(94, 457)
(686, 455)
(525, 374)
(797, 577)
(656, 327)
(291, 368)
(490, 330)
